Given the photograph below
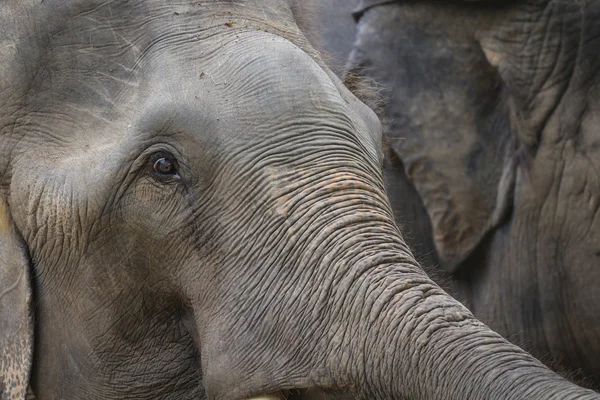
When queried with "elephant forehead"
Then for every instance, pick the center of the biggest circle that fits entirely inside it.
(113, 58)
(255, 79)
(250, 79)
(247, 86)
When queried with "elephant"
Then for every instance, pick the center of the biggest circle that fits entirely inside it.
(492, 159)
(193, 208)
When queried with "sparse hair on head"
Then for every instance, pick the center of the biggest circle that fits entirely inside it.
(366, 90)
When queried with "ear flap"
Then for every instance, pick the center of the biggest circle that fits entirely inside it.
(539, 64)
(16, 324)
(450, 123)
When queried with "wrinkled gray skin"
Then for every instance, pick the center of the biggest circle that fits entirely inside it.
(494, 116)
(264, 258)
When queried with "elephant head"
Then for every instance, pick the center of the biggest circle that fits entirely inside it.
(196, 206)
(494, 109)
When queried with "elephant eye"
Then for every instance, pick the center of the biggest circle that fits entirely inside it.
(165, 167)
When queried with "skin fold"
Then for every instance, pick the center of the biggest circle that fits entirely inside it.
(194, 209)
(491, 164)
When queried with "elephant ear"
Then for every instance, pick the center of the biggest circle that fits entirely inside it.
(450, 123)
(16, 323)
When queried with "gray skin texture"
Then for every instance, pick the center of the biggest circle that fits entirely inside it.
(494, 114)
(265, 258)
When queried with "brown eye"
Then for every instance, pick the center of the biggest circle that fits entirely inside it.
(165, 166)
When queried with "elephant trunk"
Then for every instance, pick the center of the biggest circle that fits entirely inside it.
(421, 343)
(335, 300)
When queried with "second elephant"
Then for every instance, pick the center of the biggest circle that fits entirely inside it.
(494, 158)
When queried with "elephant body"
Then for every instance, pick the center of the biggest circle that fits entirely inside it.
(491, 163)
(192, 207)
